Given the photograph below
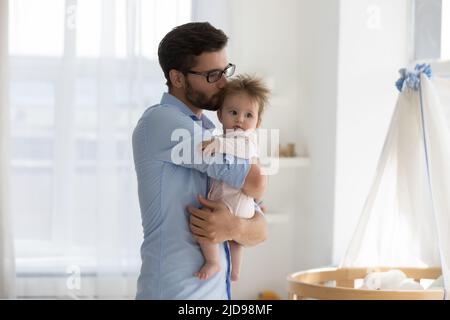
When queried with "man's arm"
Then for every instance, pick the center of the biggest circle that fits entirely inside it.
(250, 232)
(222, 225)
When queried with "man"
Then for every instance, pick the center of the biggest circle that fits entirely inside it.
(195, 65)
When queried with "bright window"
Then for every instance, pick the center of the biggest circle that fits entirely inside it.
(82, 73)
(445, 30)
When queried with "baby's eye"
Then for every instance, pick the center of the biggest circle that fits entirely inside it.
(249, 115)
(232, 112)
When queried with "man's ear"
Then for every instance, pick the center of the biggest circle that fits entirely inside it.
(176, 78)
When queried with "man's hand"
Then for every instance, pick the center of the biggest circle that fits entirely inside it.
(214, 222)
(206, 143)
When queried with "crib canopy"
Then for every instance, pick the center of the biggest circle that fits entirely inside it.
(405, 221)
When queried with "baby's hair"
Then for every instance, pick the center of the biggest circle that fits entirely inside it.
(254, 87)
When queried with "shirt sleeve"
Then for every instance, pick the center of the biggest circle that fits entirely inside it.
(175, 138)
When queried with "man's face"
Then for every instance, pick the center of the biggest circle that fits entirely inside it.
(198, 90)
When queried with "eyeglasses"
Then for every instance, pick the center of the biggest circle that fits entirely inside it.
(216, 75)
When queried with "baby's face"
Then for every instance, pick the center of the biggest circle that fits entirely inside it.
(239, 112)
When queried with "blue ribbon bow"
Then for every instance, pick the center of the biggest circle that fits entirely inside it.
(411, 79)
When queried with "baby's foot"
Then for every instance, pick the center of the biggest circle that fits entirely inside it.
(208, 270)
(234, 276)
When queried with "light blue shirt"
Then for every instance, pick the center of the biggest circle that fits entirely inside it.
(170, 254)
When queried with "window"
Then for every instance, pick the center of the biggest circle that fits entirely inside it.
(82, 73)
(445, 31)
(432, 29)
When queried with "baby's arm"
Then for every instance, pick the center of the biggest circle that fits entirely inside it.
(255, 182)
(241, 146)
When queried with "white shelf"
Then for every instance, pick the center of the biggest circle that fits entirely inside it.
(285, 162)
(295, 162)
(277, 217)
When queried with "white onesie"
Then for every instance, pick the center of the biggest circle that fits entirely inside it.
(242, 144)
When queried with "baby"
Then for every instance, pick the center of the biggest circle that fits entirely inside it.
(241, 107)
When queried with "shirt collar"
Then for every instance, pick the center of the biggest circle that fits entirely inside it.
(169, 99)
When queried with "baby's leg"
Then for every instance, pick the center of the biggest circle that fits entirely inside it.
(236, 251)
(212, 260)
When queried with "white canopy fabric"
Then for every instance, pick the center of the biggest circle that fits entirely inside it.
(406, 218)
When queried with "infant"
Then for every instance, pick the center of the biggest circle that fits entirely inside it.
(241, 106)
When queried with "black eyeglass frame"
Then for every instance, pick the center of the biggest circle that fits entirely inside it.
(208, 74)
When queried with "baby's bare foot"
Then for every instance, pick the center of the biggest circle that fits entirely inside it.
(234, 276)
(207, 271)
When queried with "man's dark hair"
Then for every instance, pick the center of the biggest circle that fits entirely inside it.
(180, 47)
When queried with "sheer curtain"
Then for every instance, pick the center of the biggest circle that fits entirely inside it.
(406, 218)
(6, 253)
(76, 95)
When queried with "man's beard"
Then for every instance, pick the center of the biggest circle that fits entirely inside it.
(200, 100)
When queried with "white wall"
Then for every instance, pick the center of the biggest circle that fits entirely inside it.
(293, 44)
(263, 41)
(333, 93)
(373, 44)
(318, 73)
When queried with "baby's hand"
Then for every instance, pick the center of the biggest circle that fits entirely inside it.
(206, 143)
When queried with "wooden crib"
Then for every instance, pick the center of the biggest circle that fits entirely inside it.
(339, 284)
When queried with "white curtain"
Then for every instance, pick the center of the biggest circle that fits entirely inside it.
(76, 97)
(6, 246)
(406, 218)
